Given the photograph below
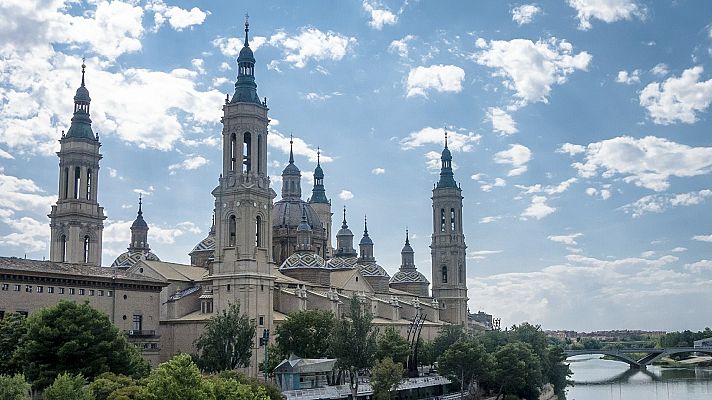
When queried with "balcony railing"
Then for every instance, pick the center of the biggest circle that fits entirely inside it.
(140, 333)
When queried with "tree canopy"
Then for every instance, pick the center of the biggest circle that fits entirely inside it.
(303, 334)
(467, 361)
(385, 375)
(76, 339)
(14, 387)
(392, 344)
(12, 330)
(226, 342)
(68, 387)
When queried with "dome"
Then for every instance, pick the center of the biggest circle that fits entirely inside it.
(318, 172)
(366, 240)
(303, 260)
(291, 169)
(289, 213)
(139, 222)
(446, 155)
(407, 248)
(409, 277)
(372, 269)
(207, 244)
(82, 94)
(342, 263)
(246, 55)
(344, 232)
(129, 258)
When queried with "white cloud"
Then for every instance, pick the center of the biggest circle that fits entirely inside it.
(571, 149)
(699, 266)
(4, 154)
(456, 141)
(441, 78)
(378, 171)
(498, 182)
(28, 233)
(677, 99)
(311, 96)
(346, 195)
(537, 209)
(548, 189)
(660, 69)
(679, 249)
(502, 122)
(525, 13)
(703, 238)
(281, 142)
(628, 78)
(604, 193)
(530, 69)
(480, 255)
(18, 194)
(490, 219)
(400, 46)
(379, 16)
(569, 240)
(605, 10)
(647, 162)
(190, 163)
(231, 46)
(312, 44)
(517, 156)
(659, 203)
(178, 18)
(433, 162)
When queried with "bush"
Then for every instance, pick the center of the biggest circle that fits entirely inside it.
(68, 387)
(14, 387)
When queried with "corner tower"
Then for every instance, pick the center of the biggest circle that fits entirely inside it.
(321, 204)
(77, 220)
(242, 268)
(447, 248)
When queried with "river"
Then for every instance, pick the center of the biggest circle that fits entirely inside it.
(598, 379)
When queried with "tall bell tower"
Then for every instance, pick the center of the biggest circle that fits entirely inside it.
(77, 220)
(242, 268)
(447, 248)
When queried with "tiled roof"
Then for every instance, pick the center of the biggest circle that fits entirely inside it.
(37, 267)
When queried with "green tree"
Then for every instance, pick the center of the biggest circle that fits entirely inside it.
(231, 389)
(466, 362)
(518, 371)
(273, 392)
(68, 387)
(106, 383)
(76, 339)
(273, 359)
(392, 344)
(447, 337)
(353, 342)
(226, 342)
(178, 379)
(12, 329)
(559, 372)
(426, 353)
(385, 375)
(132, 392)
(303, 334)
(14, 387)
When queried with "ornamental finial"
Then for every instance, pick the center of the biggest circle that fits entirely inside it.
(365, 226)
(247, 29)
(318, 156)
(140, 203)
(83, 68)
(291, 151)
(446, 139)
(407, 241)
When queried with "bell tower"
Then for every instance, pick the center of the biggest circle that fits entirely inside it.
(242, 268)
(77, 220)
(447, 248)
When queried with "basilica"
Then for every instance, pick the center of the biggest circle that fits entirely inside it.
(272, 256)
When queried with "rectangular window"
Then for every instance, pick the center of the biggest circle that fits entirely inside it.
(28, 288)
(137, 322)
(40, 289)
(2, 314)
(61, 290)
(16, 288)
(91, 292)
(81, 292)
(100, 292)
(109, 293)
(71, 290)
(5, 286)
(23, 313)
(262, 320)
(50, 289)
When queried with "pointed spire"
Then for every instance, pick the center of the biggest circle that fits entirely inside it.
(212, 227)
(318, 156)
(365, 226)
(140, 203)
(83, 69)
(446, 139)
(407, 241)
(291, 149)
(344, 225)
(247, 29)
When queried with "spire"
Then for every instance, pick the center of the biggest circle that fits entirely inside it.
(318, 191)
(140, 203)
(344, 225)
(407, 242)
(447, 179)
(446, 139)
(291, 149)
(83, 68)
(365, 226)
(81, 123)
(247, 29)
(318, 156)
(139, 230)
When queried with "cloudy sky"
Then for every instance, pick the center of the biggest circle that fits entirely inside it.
(580, 131)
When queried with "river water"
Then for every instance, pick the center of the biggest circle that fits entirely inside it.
(598, 379)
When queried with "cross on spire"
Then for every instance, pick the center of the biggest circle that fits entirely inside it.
(365, 226)
(140, 203)
(318, 156)
(446, 139)
(407, 241)
(344, 223)
(247, 29)
(83, 68)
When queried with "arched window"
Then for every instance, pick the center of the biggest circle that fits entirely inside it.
(444, 274)
(63, 247)
(66, 183)
(86, 249)
(442, 220)
(247, 152)
(232, 231)
(77, 179)
(462, 274)
(233, 152)
(452, 220)
(258, 231)
(259, 154)
(89, 177)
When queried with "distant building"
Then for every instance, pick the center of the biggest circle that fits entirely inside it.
(703, 343)
(480, 321)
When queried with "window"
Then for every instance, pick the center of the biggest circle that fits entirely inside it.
(232, 231)
(77, 180)
(61, 290)
(262, 320)
(442, 220)
(40, 289)
(228, 287)
(50, 289)
(258, 232)
(100, 292)
(89, 184)
(16, 288)
(462, 274)
(28, 288)
(444, 274)
(91, 292)
(109, 293)
(71, 290)
(63, 247)
(23, 313)
(81, 292)
(66, 183)
(259, 154)
(86, 249)
(137, 322)
(2, 314)
(247, 152)
(5, 286)
(452, 220)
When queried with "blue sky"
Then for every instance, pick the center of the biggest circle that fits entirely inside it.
(579, 129)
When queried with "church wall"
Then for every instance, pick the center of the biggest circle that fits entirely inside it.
(417, 289)
(315, 276)
(183, 306)
(179, 337)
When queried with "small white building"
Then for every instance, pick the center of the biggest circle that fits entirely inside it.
(705, 343)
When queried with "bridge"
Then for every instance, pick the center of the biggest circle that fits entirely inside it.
(651, 355)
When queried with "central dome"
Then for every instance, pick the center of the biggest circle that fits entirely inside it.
(288, 213)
